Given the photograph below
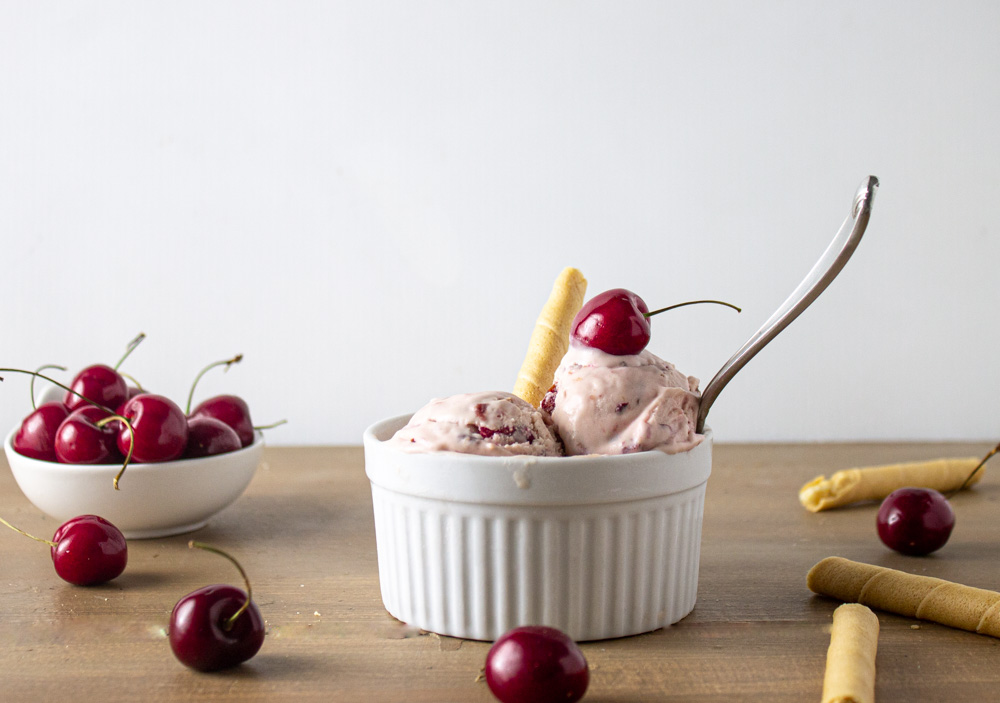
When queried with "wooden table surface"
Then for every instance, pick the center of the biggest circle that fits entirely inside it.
(304, 532)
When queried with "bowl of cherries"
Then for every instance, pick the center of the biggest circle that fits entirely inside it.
(102, 446)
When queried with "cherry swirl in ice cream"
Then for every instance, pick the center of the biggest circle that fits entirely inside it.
(492, 423)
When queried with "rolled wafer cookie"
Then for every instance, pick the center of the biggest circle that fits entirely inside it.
(850, 660)
(876, 482)
(550, 338)
(924, 597)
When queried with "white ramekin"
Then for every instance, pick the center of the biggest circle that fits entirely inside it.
(597, 546)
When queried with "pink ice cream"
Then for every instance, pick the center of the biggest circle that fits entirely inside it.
(492, 423)
(607, 404)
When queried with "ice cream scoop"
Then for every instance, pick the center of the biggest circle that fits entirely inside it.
(619, 404)
(492, 423)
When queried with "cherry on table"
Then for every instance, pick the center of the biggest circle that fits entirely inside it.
(915, 521)
(208, 436)
(536, 664)
(86, 550)
(216, 627)
(159, 427)
(617, 321)
(36, 436)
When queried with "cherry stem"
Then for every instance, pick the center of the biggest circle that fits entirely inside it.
(228, 625)
(132, 379)
(37, 539)
(131, 443)
(32, 386)
(648, 315)
(271, 426)
(978, 467)
(227, 363)
(131, 348)
(100, 423)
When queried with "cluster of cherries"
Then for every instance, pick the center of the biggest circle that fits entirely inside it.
(103, 420)
(214, 627)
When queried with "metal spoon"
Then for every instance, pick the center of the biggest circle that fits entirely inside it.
(815, 282)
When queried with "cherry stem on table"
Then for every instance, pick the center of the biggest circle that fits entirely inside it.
(37, 539)
(131, 348)
(647, 315)
(31, 388)
(978, 467)
(100, 423)
(246, 581)
(227, 363)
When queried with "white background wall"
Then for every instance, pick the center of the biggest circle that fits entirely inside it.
(371, 200)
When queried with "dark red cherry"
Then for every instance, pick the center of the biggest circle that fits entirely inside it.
(88, 550)
(613, 321)
(915, 521)
(80, 440)
(100, 384)
(36, 436)
(198, 634)
(536, 664)
(208, 436)
(161, 431)
(233, 411)
(218, 626)
(617, 321)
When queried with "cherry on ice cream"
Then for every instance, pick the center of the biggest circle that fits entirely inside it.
(617, 321)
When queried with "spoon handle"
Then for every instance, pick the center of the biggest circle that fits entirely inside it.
(815, 282)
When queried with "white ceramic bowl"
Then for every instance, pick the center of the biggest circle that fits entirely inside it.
(597, 546)
(154, 500)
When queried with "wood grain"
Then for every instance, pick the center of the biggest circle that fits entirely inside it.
(304, 533)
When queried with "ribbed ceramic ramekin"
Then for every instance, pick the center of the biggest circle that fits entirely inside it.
(597, 546)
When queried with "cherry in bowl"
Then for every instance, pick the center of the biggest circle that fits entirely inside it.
(36, 437)
(536, 664)
(915, 521)
(159, 429)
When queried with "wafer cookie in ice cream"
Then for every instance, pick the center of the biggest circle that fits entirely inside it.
(877, 482)
(550, 338)
(925, 597)
(850, 660)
